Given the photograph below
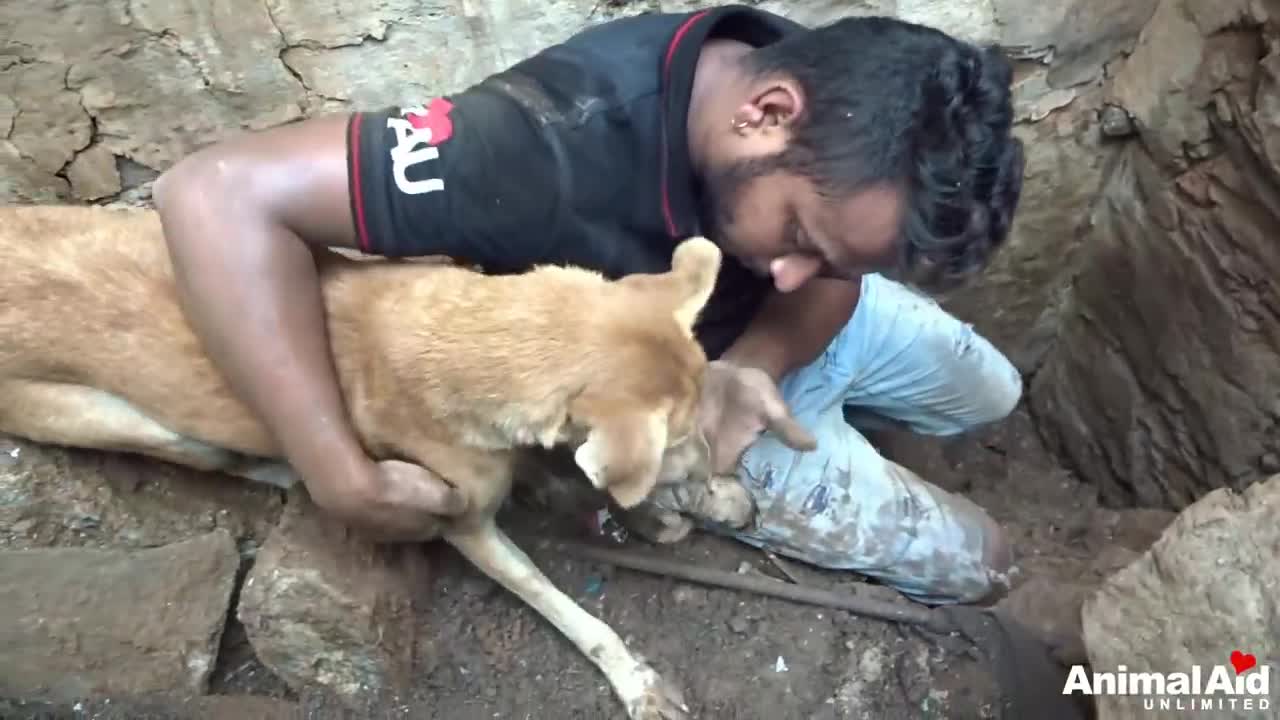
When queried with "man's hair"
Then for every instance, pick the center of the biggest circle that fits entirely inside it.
(891, 101)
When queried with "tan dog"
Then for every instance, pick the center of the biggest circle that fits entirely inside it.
(440, 365)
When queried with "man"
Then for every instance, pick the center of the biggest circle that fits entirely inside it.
(820, 160)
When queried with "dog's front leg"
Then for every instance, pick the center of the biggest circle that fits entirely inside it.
(643, 692)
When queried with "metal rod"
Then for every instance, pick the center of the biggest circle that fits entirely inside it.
(761, 585)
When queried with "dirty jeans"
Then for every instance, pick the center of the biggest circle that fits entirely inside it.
(901, 358)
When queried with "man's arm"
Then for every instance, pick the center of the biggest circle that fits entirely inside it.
(241, 218)
(792, 329)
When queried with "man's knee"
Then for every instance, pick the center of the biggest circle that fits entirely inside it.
(988, 386)
(945, 378)
(1001, 389)
(846, 507)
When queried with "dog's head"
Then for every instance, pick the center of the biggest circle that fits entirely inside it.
(641, 408)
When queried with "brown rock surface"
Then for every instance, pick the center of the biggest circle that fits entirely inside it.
(209, 707)
(57, 497)
(81, 622)
(93, 174)
(328, 611)
(1015, 302)
(1162, 384)
(1206, 588)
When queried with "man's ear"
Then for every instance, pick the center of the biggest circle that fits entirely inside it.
(774, 104)
(623, 454)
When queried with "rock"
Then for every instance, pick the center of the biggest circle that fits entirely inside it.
(21, 181)
(1133, 529)
(330, 612)
(1050, 609)
(51, 496)
(233, 707)
(209, 707)
(49, 125)
(226, 43)
(153, 105)
(80, 622)
(93, 174)
(1159, 386)
(1091, 34)
(1116, 122)
(1014, 303)
(8, 112)
(889, 672)
(1205, 589)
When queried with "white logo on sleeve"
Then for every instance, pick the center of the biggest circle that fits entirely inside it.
(419, 131)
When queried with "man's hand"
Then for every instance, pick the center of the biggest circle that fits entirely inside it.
(737, 405)
(390, 501)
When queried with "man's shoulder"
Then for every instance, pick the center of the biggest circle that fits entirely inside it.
(600, 67)
(617, 61)
(662, 28)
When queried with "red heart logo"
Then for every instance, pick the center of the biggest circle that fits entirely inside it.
(436, 118)
(1241, 661)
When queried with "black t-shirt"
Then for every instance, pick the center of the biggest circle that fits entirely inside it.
(576, 155)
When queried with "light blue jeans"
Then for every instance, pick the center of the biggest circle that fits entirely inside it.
(901, 358)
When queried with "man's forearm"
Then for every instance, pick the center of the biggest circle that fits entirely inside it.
(257, 307)
(793, 329)
(250, 289)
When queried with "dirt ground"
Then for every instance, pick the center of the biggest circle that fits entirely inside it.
(485, 655)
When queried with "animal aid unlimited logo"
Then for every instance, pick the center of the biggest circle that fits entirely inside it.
(1240, 684)
(419, 132)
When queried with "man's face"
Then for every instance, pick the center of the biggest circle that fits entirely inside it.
(778, 225)
(774, 221)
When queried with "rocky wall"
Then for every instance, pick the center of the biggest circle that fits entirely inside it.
(1163, 383)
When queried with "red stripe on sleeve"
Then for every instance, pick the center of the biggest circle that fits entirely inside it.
(357, 191)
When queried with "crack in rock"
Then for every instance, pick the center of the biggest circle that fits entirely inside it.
(9, 112)
(285, 47)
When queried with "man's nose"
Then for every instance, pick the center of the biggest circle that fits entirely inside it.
(791, 271)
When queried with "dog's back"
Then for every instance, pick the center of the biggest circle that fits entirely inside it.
(87, 299)
(78, 283)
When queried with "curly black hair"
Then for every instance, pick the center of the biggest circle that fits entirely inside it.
(893, 101)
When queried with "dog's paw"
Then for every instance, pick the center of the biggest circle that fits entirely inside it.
(660, 699)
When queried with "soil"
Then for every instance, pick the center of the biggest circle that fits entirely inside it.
(485, 655)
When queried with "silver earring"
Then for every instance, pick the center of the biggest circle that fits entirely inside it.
(740, 124)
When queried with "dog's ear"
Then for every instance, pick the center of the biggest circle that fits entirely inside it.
(694, 266)
(623, 454)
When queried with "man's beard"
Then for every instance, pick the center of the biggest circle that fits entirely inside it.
(719, 193)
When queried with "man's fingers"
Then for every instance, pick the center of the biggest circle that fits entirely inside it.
(779, 420)
(439, 497)
(422, 490)
(792, 433)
